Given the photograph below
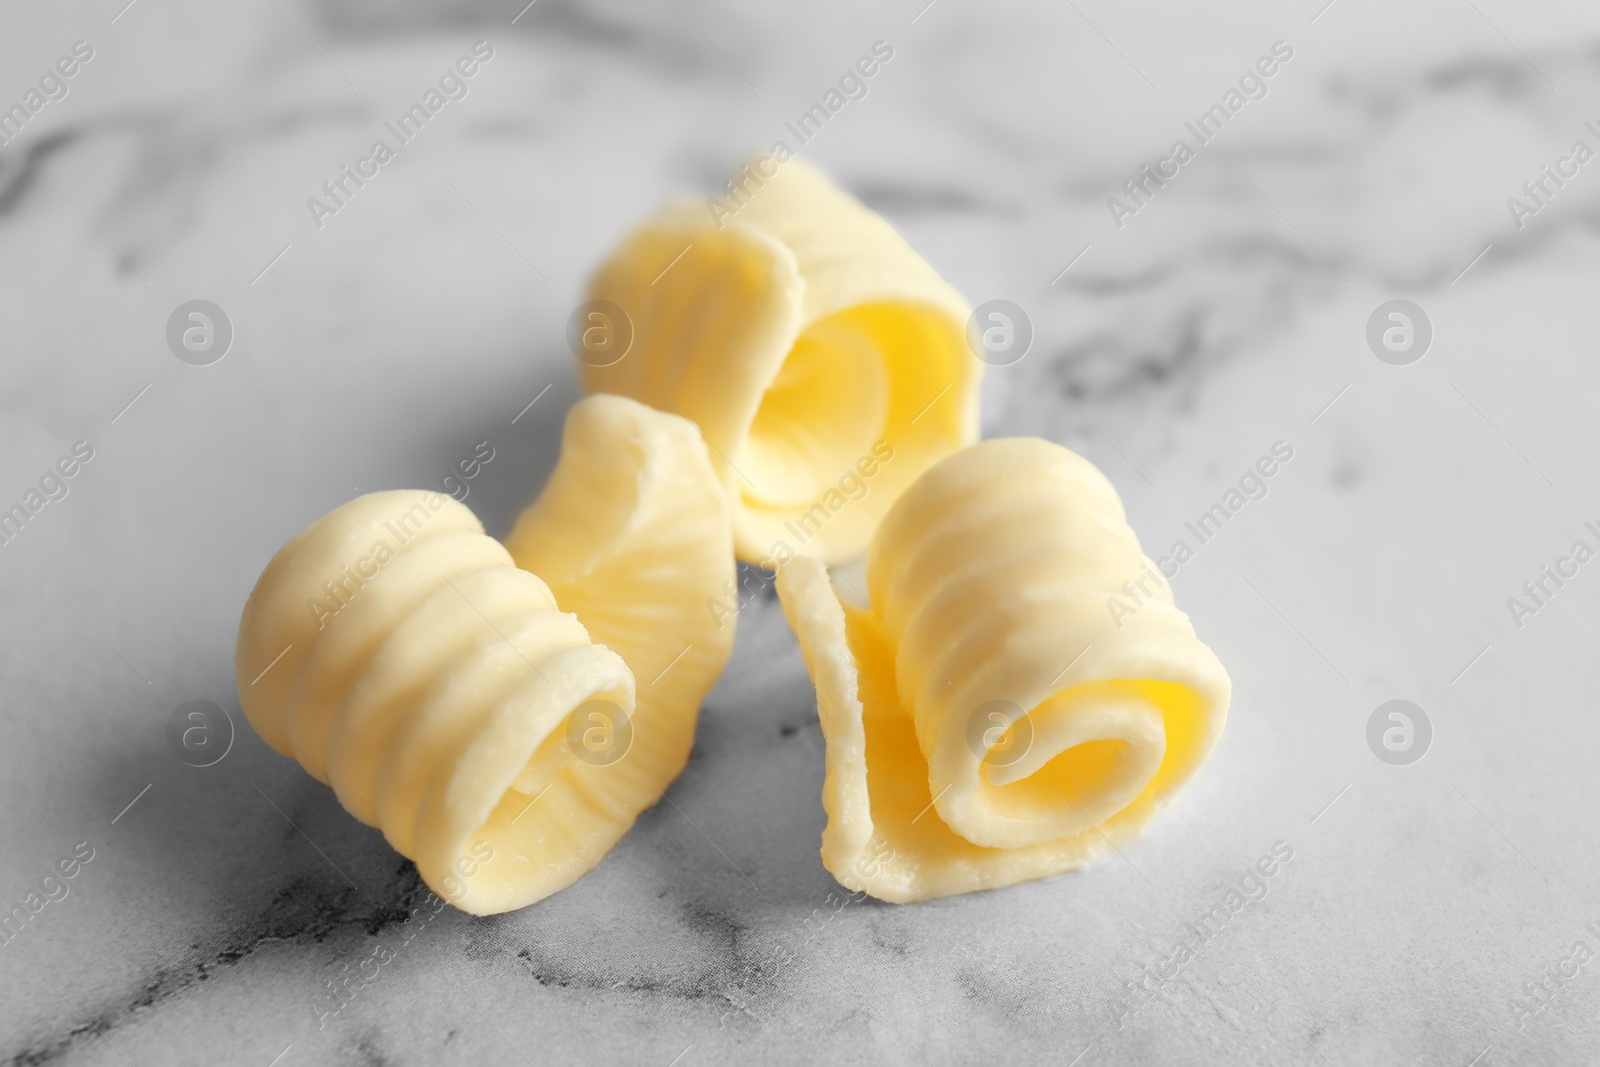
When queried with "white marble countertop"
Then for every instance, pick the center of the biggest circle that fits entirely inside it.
(1227, 314)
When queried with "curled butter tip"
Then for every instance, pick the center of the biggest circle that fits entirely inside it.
(824, 360)
(501, 728)
(990, 716)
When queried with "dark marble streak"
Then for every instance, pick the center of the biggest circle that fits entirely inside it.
(655, 38)
(1179, 323)
(363, 1051)
(307, 911)
(894, 199)
(741, 966)
(19, 171)
(310, 911)
(1109, 366)
(1152, 332)
(1506, 78)
(729, 941)
(174, 158)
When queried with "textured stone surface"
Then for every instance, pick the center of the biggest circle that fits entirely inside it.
(1226, 315)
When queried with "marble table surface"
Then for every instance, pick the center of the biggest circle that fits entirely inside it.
(1431, 912)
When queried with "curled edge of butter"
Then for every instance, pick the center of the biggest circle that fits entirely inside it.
(400, 655)
(808, 341)
(904, 670)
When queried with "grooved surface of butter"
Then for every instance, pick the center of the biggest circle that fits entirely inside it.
(801, 334)
(402, 657)
(632, 533)
(988, 718)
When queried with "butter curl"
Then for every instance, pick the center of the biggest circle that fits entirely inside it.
(989, 719)
(808, 341)
(453, 699)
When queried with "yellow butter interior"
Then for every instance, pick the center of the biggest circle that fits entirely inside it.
(804, 337)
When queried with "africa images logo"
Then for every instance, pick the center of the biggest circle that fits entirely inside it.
(404, 527)
(453, 85)
(1252, 85)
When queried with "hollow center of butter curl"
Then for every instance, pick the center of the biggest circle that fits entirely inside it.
(1084, 757)
(596, 732)
(822, 414)
(547, 761)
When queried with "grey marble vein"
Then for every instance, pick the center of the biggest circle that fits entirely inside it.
(1430, 913)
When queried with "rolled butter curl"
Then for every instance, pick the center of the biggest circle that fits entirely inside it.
(808, 340)
(991, 714)
(400, 655)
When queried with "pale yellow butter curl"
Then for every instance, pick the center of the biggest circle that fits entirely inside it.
(799, 333)
(989, 717)
(402, 657)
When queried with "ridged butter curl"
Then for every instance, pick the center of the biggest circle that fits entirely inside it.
(454, 701)
(807, 339)
(992, 711)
